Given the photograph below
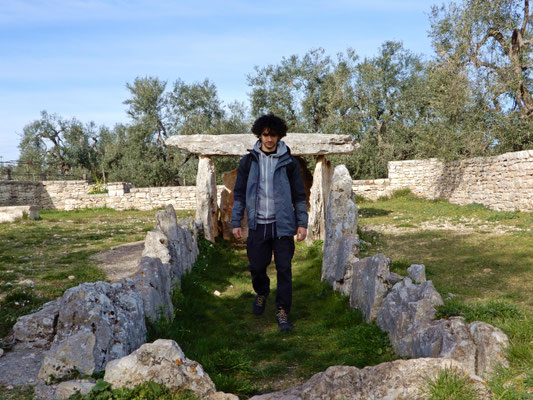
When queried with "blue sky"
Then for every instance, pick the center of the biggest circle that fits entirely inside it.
(74, 57)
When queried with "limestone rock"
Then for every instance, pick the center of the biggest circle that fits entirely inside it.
(162, 362)
(490, 347)
(66, 389)
(111, 313)
(157, 245)
(447, 338)
(401, 379)
(405, 309)
(341, 241)
(154, 284)
(301, 144)
(37, 329)
(394, 278)
(226, 204)
(417, 273)
(370, 285)
(75, 352)
(222, 396)
(20, 366)
(318, 200)
(206, 198)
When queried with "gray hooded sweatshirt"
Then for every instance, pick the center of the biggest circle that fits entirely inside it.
(266, 212)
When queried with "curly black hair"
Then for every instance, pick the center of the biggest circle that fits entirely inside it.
(273, 123)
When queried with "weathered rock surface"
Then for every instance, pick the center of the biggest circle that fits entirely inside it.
(417, 273)
(154, 284)
(448, 338)
(401, 379)
(318, 200)
(301, 144)
(406, 309)
(370, 285)
(37, 329)
(490, 347)
(66, 389)
(480, 347)
(97, 322)
(20, 366)
(13, 213)
(163, 362)
(341, 241)
(206, 198)
(226, 205)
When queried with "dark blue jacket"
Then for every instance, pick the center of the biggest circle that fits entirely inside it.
(290, 201)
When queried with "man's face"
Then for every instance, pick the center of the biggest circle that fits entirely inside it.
(269, 141)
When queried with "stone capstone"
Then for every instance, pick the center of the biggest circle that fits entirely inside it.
(397, 380)
(370, 285)
(97, 322)
(341, 241)
(206, 198)
(162, 362)
(37, 329)
(406, 309)
(301, 144)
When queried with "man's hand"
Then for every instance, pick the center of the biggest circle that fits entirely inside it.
(301, 234)
(237, 233)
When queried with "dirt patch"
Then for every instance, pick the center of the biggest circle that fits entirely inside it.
(121, 261)
(463, 226)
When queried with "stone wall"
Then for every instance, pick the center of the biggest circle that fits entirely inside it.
(70, 195)
(503, 182)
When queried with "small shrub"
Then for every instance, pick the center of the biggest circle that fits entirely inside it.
(99, 187)
(402, 194)
(450, 385)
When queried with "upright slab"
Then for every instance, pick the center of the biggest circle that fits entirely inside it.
(206, 198)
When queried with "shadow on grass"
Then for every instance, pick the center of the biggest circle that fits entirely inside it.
(368, 212)
(245, 354)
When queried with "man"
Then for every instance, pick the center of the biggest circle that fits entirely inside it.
(269, 185)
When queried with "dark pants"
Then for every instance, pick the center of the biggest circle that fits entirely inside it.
(260, 244)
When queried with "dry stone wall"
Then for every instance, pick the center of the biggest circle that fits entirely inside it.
(70, 195)
(503, 182)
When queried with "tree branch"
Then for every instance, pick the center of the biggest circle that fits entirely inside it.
(526, 17)
(497, 35)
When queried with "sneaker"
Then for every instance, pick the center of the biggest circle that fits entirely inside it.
(259, 304)
(283, 320)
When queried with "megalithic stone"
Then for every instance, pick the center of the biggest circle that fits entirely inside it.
(319, 200)
(206, 198)
(341, 244)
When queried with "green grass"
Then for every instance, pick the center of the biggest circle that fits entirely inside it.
(482, 266)
(56, 247)
(450, 385)
(484, 273)
(245, 354)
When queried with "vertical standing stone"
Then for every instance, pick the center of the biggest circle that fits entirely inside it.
(226, 205)
(319, 200)
(206, 198)
(341, 244)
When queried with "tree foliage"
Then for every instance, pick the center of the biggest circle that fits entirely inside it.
(490, 41)
(472, 98)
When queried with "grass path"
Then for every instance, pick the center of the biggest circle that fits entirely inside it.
(245, 354)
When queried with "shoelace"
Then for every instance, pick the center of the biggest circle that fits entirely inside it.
(282, 316)
(260, 300)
